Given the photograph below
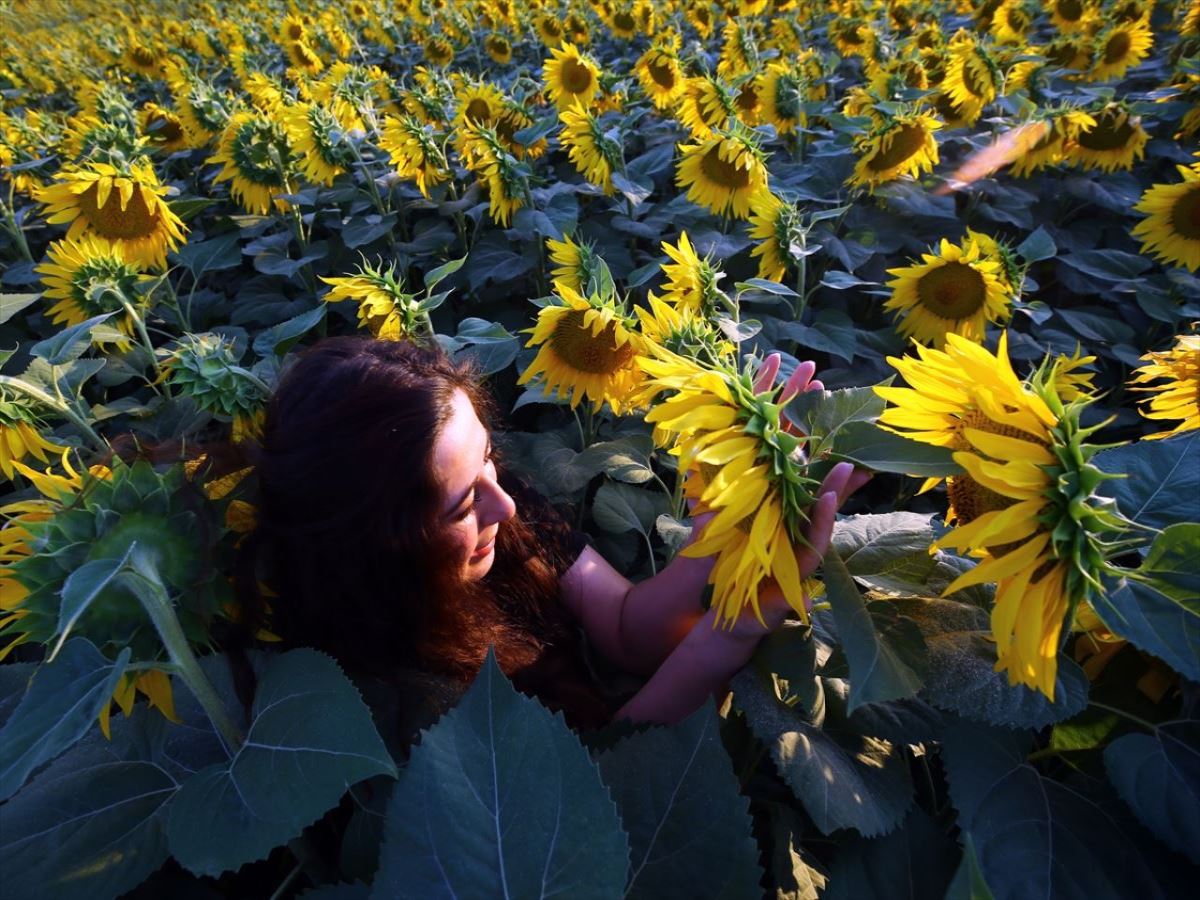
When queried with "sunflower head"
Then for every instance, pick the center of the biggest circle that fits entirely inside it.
(384, 308)
(256, 157)
(1176, 396)
(162, 128)
(723, 172)
(587, 348)
(691, 281)
(779, 226)
(204, 367)
(898, 146)
(122, 206)
(415, 151)
(1171, 229)
(1116, 141)
(570, 76)
(579, 267)
(19, 434)
(319, 141)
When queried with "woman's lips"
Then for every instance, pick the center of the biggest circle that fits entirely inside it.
(484, 550)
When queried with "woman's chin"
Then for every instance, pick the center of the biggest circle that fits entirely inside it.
(480, 562)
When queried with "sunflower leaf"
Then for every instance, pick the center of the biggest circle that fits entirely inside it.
(1162, 479)
(68, 344)
(500, 798)
(915, 861)
(869, 446)
(60, 706)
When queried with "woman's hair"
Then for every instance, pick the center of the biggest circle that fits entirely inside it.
(348, 534)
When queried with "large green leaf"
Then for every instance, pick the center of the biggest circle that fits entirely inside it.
(500, 799)
(1158, 775)
(1162, 479)
(1171, 564)
(843, 780)
(962, 673)
(80, 590)
(1145, 613)
(869, 446)
(823, 413)
(62, 703)
(916, 861)
(689, 828)
(1035, 837)
(622, 507)
(90, 826)
(968, 882)
(212, 255)
(68, 344)
(886, 663)
(311, 737)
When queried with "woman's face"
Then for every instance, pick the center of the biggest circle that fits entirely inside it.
(473, 503)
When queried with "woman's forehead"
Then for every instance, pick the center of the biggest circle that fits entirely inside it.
(460, 448)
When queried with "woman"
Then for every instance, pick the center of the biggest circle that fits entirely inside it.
(397, 543)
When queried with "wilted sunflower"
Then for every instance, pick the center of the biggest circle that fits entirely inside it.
(415, 152)
(1026, 504)
(162, 128)
(319, 141)
(588, 350)
(1117, 141)
(1171, 229)
(384, 308)
(88, 277)
(730, 435)
(588, 146)
(660, 75)
(498, 48)
(776, 225)
(1119, 48)
(723, 172)
(904, 145)
(121, 206)
(957, 290)
(691, 281)
(256, 156)
(1179, 397)
(569, 76)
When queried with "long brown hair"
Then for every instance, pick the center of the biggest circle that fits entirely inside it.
(347, 533)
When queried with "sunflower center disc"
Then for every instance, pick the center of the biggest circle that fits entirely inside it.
(747, 98)
(1185, 214)
(1116, 48)
(1069, 10)
(578, 348)
(907, 141)
(971, 499)
(623, 21)
(952, 291)
(575, 76)
(971, 82)
(723, 172)
(661, 75)
(110, 221)
(1111, 133)
(479, 111)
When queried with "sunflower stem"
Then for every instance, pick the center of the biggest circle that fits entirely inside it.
(144, 582)
(16, 231)
(59, 405)
(140, 325)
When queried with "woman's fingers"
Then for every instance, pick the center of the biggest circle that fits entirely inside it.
(765, 376)
(837, 480)
(818, 533)
(798, 381)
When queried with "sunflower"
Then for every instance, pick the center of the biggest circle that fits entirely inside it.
(972, 80)
(1070, 16)
(301, 56)
(723, 172)
(438, 51)
(256, 156)
(19, 438)
(903, 145)
(691, 335)
(783, 90)
(739, 52)
(1048, 138)
(549, 29)
(853, 37)
(691, 281)
(415, 152)
(660, 75)
(706, 104)
(622, 23)
(1119, 48)
(1117, 141)
(699, 13)
(957, 290)
(569, 76)
(384, 308)
(1010, 22)
(498, 48)
(318, 140)
(162, 128)
(121, 206)
(1179, 397)
(504, 176)
(593, 152)
(730, 436)
(576, 30)
(1171, 229)
(88, 277)
(777, 226)
(577, 264)
(203, 111)
(588, 349)
(1026, 504)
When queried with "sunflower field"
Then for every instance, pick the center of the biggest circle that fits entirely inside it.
(980, 219)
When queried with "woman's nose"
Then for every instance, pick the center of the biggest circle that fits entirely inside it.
(503, 507)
